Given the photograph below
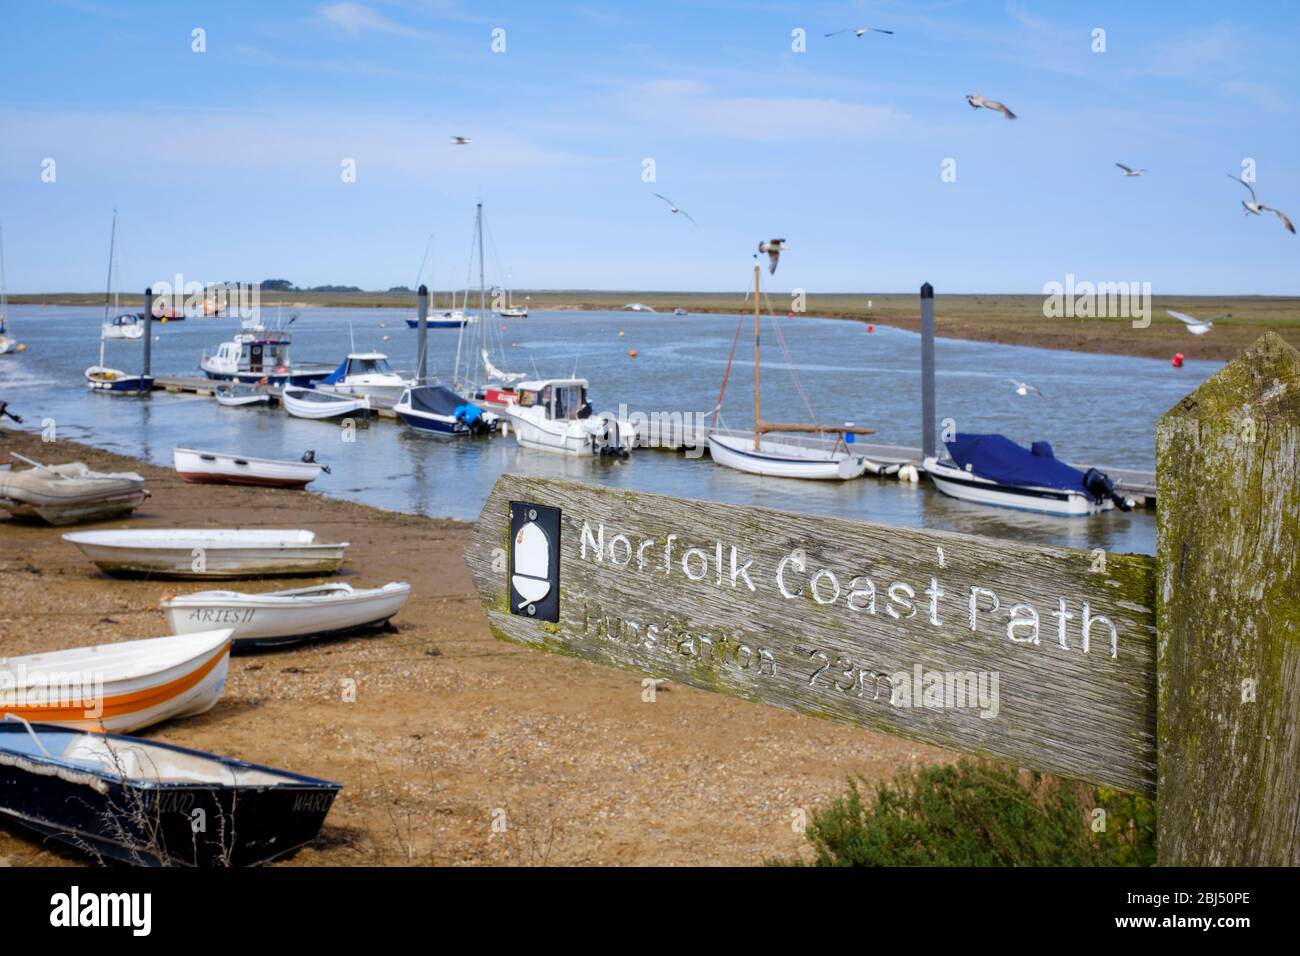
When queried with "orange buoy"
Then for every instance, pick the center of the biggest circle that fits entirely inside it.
(632, 354)
(1178, 360)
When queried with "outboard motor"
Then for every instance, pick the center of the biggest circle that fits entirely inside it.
(1100, 486)
(472, 417)
(5, 413)
(309, 458)
(607, 440)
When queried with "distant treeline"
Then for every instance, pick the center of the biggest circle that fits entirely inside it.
(284, 285)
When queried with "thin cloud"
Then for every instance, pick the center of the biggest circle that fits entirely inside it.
(355, 19)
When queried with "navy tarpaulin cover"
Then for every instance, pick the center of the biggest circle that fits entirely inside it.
(336, 376)
(998, 458)
(436, 400)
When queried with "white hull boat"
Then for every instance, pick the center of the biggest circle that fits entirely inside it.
(366, 375)
(313, 403)
(554, 415)
(66, 494)
(209, 552)
(213, 467)
(961, 484)
(237, 396)
(118, 687)
(7, 345)
(127, 326)
(285, 617)
(784, 460)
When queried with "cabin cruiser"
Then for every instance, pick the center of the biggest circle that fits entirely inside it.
(438, 409)
(368, 374)
(555, 415)
(128, 325)
(259, 353)
(994, 470)
(449, 319)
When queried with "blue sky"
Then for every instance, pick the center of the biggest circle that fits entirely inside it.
(227, 164)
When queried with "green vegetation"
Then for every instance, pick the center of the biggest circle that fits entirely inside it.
(974, 813)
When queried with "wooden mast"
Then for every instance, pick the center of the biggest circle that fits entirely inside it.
(758, 419)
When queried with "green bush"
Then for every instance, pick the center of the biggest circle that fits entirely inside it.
(981, 814)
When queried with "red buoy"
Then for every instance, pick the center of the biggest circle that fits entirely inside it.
(1178, 360)
(870, 328)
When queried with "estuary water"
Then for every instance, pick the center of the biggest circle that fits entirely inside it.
(1098, 408)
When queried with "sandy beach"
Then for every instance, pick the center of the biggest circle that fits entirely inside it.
(450, 729)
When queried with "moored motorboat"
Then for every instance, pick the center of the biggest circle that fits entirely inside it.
(367, 375)
(284, 617)
(452, 319)
(209, 552)
(128, 325)
(66, 494)
(237, 395)
(437, 409)
(137, 801)
(259, 354)
(214, 467)
(555, 415)
(312, 403)
(993, 470)
(118, 687)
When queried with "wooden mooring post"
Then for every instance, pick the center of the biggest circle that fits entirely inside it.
(1047, 657)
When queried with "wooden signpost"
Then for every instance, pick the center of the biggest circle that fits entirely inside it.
(1044, 656)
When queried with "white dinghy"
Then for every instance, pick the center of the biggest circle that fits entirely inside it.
(66, 494)
(286, 617)
(209, 552)
(311, 403)
(214, 467)
(118, 687)
(237, 395)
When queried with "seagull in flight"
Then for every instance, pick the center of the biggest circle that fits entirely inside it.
(976, 101)
(1129, 171)
(1257, 207)
(773, 248)
(673, 207)
(461, 140)
(1195, 326)
(859, 31)
(1024, 388)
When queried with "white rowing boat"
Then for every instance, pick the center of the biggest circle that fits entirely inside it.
(118, 687)
(66, 494)
(312, 403)
(237, 395)
(214, 467)
(284, 617)
(209, 552)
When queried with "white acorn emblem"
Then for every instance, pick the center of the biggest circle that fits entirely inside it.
(532, 554)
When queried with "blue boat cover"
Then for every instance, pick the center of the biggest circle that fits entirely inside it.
(998, 458)
(336, 376)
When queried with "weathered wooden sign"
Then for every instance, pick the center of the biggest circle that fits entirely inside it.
(1041, 655)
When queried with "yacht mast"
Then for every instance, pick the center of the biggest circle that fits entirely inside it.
(758, 419)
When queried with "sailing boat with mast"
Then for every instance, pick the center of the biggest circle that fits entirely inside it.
(510, 310)
(99, 377)
(7, 344)
(492, 388)
(760, 456)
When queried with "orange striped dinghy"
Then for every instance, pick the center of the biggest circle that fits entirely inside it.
(118, 687)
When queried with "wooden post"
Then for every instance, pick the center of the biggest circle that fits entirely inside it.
(422, 360)
(927, 370)
(148, 332)
(1228, 607)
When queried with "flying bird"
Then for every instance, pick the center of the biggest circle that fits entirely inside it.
(1195, 326)
(1128, 171)
(1024, 388)
(461, 140)
(673, 207)
(1257, 207)
(976, 101)
(773, 248)
(859, 31)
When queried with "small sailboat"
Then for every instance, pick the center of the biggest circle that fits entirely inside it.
(214, 467)
(994, 470)
(209, 552)
(136, 800)
(447, 319)
(99, 377)
(118, 687)
(286, 617)
(510, 310)
(8, 344)
(777, 459)
(67, 494)
(313, 403)
(555, 415)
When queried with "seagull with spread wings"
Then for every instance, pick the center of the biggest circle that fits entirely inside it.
(460, 140)
(1129, 171)
(1256, 207)
(976, 101)
(773, 248)
(859, 31)
(1024, 388)
(674, 208)
(1195, 326)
